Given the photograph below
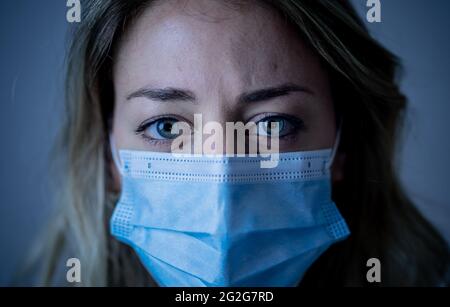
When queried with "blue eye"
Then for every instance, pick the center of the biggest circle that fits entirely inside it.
(160, 129)
(285, 126)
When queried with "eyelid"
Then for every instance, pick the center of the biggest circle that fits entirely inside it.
(260, 117)
(140, 131)
(152, 120)
(296, 123)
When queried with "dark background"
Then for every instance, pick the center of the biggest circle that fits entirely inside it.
(33, 43)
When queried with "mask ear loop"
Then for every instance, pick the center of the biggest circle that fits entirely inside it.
(115, 157)
(335, 146)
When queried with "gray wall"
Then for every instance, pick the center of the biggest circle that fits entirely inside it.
(32, 51)
(417, 31)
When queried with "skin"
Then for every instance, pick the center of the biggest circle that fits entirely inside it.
(219, 54)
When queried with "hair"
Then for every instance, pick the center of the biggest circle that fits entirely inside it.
(384, 222)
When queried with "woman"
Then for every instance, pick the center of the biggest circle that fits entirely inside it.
(136, 68)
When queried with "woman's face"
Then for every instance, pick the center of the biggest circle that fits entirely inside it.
(182, 58)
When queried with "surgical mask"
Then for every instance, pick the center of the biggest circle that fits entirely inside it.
(225, 221)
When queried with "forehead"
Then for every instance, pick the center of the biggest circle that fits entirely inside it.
(192, 43)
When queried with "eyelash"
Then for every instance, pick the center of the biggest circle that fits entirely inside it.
(146, 124)
(297, 123)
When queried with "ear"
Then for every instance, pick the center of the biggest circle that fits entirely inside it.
(337, 170)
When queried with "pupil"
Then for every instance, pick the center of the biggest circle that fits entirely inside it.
(167, 127)
(269, 125)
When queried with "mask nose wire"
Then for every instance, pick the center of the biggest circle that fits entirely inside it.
(115, 156)
(337, 141)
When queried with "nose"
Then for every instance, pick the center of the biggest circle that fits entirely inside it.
(224, 135)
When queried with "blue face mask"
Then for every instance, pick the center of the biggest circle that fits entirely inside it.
(199, 221)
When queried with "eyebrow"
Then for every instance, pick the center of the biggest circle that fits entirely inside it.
(165, 94)
(175, 94)
(273, 92)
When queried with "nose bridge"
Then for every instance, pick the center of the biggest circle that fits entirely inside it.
(218, 139)
(214, 134)
(229, 138)
(219, 107)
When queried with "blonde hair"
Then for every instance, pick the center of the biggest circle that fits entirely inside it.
(383, 221)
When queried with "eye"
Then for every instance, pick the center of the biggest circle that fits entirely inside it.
(286, 125)
(159, 129)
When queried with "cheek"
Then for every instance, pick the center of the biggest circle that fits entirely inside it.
(320, 130)
(338, 168)
(119, 131)
(116, 178)
(116, 142)
(323, 128)
(125, 122)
